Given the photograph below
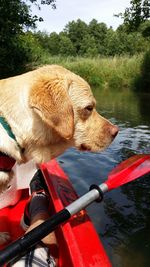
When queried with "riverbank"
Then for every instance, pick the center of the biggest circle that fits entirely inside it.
(113, 73)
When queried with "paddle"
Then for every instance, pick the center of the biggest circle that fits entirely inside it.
(125, 172)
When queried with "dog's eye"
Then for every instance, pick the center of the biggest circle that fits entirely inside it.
(86, 112)
(89, 108)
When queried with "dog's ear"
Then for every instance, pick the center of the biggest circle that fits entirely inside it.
(50, 100)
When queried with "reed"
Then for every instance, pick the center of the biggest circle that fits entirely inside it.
(106, 73)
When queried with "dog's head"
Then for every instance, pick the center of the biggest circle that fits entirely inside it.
(65, 103)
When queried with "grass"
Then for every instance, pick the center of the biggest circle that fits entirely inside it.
(106, 73)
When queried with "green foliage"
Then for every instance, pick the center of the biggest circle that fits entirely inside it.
(136, 14)
(93, 39)
(15, 20)
(146, 71)
(52, 43)
(98, 31)
(12, 56)
(142, 81)
(66, 46)
(76, 32)
(144, 29)
(88, 46)
(14, 17)
(31, 47)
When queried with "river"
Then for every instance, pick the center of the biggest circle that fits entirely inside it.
(122, 220)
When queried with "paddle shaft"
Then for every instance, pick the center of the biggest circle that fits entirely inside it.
(22, 245)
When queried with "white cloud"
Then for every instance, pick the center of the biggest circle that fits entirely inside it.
(67, 10)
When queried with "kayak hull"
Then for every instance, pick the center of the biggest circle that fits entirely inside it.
(79, 244)
(78, 236)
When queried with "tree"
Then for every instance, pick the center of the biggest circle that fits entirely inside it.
(99, 32)
(43, 39)
(138, 13)
(15, 20)
(121, 43)
(135, 43)
(66, 47)
(53, 44)
(112, 42)
(76, 32)
(144, 28)
(88, 46)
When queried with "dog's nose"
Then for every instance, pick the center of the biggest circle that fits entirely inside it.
(114, 130)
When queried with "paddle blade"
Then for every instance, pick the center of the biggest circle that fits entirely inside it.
(129, 170)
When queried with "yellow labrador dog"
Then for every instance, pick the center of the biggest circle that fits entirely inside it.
(47, 111)
(44, 112)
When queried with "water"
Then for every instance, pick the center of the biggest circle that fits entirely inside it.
(122, 220)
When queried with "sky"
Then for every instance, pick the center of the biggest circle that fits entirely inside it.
(86, 10)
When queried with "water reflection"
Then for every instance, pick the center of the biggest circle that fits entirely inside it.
(123, 219)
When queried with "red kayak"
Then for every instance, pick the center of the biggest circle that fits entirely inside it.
(79, 244)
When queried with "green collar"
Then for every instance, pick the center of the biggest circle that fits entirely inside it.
(7, 127)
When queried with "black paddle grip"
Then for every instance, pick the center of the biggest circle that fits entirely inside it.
(23, 244)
